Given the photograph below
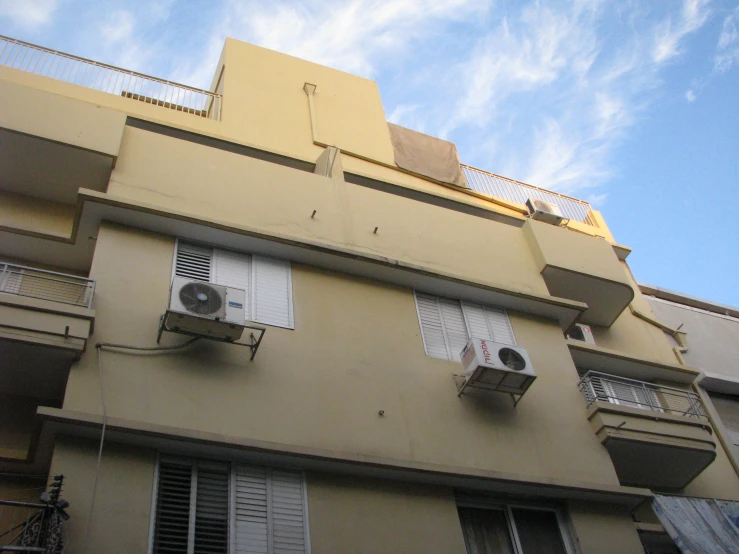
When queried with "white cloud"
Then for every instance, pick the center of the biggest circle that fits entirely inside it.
(28, 13)
(727, 51)
(118, 27)
(669, 33)
(691, 96)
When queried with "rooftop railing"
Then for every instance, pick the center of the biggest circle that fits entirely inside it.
(46, 285)
(107, 78)
(596, 386)
(516, 191)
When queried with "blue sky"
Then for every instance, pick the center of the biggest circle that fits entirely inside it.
(631, 105)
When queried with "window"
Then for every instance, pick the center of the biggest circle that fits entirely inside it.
(266, 281)
(205, 507)
(447, 325)
(501, 529)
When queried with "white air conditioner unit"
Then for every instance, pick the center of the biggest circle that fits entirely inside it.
(205, 309)
(496, 366)
(582, 332)
(541, 210)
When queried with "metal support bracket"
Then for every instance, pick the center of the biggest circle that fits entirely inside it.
(252, 345)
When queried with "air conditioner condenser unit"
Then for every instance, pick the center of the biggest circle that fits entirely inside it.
(541, 210)
(206, 309)
(497, 367)
(581, 332)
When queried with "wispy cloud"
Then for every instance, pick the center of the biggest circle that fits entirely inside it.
(727, 51)
(28, 13)
(670, 33)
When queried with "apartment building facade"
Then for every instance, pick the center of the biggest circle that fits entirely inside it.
(341, 419)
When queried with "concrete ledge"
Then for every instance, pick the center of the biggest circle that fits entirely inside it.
(197, 443)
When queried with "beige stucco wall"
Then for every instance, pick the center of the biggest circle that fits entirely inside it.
(120, 523)
(214, 184)
(371, 516)
(61, 119)
(341, 365)
(36, 215)
(603, 529)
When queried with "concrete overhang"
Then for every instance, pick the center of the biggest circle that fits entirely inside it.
(94, 207)
(591, 357)
(51, 145)
(652, 448)
(722, 384)
(210, 445)
(581, 268)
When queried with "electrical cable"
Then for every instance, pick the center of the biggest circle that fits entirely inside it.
(99, 347)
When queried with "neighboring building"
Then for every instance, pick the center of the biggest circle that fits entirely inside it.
(368, 257)
(709, 341)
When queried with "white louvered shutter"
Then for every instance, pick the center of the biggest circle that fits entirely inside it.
(288, 516)
(193, 261)
(233, 269)
(432, 329)
(211, 508)
(456, 331)
(486, 322)
(251, 526)
(269, 511)
(442, 326)
(271, 292)
(172, 517)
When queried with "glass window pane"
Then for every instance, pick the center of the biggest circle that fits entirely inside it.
(485, 531)
(538, 531)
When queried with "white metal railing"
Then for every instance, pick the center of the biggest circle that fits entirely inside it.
(107, 78)
(516, 191)
(596, 386)
(46, 285)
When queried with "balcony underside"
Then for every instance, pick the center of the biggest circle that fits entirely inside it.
(606, 299)
(653, 449)
(41, 168)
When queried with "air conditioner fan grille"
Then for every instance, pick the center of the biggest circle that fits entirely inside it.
(200, 298)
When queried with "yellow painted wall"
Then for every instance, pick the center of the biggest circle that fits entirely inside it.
(36, 215)
(372, 516)
(603, 529)
(120, 524)
(214, 184)
(343, 363)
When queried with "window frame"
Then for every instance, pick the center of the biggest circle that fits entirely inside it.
(231, 500)
(567, 534)
(251, 293)
(465, 318)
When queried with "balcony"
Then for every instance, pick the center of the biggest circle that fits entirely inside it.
(657, 436)
(582, 268)
(139, 87)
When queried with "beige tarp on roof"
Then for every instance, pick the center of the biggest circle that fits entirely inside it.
(426, 155)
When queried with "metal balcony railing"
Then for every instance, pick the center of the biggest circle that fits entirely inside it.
(46, 285)
(35, 526)
(107, 78)
(596, 386)
(516, 191)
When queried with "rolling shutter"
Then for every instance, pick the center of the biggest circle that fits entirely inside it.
(271, 292)
(486, 322)
(172, 525)
(193, 261)
(442, 326)
(233, 269)
(269, 511)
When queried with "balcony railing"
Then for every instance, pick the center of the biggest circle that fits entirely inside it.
(46, 285)
(596, 386)
(107, 78)
(516, 191)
